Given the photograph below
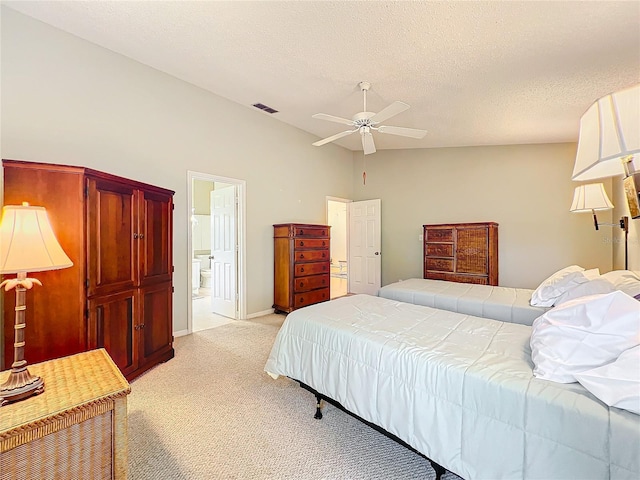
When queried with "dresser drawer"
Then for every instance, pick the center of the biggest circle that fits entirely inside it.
(309, 298)
(304, 284)
(439, 264)
(311, 255)
(440, 250)
(439, 235)
(305, 243)
(303, 269)
(311, 232)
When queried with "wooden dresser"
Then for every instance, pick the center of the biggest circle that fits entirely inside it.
(462, 252)
(118, 294)
(301, 265)
(75, 429)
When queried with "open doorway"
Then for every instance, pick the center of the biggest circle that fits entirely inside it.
(337, 218)
(217, 247)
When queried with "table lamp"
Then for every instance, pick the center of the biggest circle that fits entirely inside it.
(27, 244)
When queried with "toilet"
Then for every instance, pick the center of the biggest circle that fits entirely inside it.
(205, 270)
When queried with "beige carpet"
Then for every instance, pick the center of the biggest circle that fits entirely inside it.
(212, 413)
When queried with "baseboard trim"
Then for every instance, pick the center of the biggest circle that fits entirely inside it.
(260, 314)
(181, 333)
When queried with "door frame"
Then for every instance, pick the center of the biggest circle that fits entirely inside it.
(346, 201)
(241, 227)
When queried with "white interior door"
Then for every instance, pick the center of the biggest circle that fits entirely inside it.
(223, 251)
(364, 247)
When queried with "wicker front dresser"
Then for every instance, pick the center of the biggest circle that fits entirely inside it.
(462, 252)
(76, 429)
(301, 265)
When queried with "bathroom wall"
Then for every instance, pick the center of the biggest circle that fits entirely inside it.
(337, 218)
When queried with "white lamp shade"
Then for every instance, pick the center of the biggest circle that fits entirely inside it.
(609, 131)
(27, 241)
(590, 197)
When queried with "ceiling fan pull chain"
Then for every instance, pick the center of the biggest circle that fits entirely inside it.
(364, 171)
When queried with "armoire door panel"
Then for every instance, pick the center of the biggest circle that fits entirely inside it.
(156, 328)
(112, 238)
(112, 327)
(155, 225)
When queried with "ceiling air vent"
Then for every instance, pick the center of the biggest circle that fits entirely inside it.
(263, 107)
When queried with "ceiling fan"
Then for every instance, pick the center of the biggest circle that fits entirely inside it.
(367, 122)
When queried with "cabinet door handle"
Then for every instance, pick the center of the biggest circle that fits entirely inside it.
(135, 235)
(141, 235)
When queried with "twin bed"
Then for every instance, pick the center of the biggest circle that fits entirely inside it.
(457, 388)
(498, 303)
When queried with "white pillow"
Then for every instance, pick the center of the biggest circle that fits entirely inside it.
(592, 287)
(582, 334)
(625, 280)
(618, 383)
(558, 283)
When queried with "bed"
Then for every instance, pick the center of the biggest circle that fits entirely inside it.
(456, 388)
(498, 303)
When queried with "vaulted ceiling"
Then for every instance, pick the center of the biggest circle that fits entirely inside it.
(474, 73)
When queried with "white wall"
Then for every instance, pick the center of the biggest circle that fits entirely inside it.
(526, 189)
(67, 101)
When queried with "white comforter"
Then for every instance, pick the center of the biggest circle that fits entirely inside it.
(457, 388)
(507, 304)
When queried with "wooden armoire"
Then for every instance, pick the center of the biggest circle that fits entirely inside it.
(462, 252)
(118, 293)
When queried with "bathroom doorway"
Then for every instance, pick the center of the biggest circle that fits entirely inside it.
(216, 238)
(337, 218)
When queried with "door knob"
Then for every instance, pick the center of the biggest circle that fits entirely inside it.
(210, 257)
(377, 253)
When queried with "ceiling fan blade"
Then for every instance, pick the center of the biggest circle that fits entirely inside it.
(405, 132)
(319, 143)
(367, 143)
(331, 118)
(394, 109)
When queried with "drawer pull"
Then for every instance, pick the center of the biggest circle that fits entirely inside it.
(323, 243)
(302, 255)
(324, 254)
(323, 281)
(302, 269)
(301, 243)
(301, 284)
(301, 300)
(301, 232)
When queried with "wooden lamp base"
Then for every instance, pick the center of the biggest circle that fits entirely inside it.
(20, 384)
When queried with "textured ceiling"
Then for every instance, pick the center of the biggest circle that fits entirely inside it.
(474, 73)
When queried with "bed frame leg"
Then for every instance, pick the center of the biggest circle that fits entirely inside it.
(318, 415)
(439, 469)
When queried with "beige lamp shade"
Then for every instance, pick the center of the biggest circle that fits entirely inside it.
(27, 241)
(590, 197)
(609, 131)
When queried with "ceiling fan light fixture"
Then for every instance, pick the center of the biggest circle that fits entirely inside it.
(365, 122)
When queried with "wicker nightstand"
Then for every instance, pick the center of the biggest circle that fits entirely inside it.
(76, 429)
